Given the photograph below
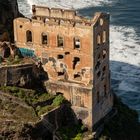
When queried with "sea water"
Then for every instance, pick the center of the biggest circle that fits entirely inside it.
(124, 40)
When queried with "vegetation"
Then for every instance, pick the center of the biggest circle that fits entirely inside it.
(35, 99)
(11, 111)
(31, 97)
(42, 110)
(74, 132)
(11, 60)
(25, 105)
(58, 100)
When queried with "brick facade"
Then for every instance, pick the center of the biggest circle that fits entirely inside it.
(74, 52)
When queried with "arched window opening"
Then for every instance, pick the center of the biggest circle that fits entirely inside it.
(104, 36)
(98, 39)
(28, 36)
(60, 41)
(104, 54)
(44, 38)
(101, 21)
(77, 43)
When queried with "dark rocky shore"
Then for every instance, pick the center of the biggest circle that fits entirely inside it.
(8, 11)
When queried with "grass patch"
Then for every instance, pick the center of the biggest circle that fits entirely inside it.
(42, 110)
(11, 60)
(33, 98)
(59, 99)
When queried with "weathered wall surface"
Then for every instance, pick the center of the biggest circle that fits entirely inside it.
(58, 61)
(16, 75)
(74, 52)
(80, 98)
(102, 97)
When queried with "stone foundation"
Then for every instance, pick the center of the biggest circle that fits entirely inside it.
(19, 75)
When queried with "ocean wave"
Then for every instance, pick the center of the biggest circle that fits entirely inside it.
(76, 4)
(124, 45)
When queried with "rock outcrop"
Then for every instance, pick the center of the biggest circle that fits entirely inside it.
(8, 11)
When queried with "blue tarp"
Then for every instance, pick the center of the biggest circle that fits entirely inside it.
(27, 52)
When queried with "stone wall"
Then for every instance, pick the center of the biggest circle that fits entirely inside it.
(80, 98)
(17, 75)
(59, 117)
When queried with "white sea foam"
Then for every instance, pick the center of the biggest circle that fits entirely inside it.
(76, 4)
(125, 45)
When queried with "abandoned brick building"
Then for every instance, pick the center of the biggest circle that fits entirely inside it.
(74, 51)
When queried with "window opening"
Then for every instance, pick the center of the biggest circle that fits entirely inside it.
(98, 39)
(98, 97)
(101, 21)
(59, 93)
(60, 41)
(77, 77)
(76, 43)
(60, 56)
(98, 74)
(60, 73)
(104, 36)
(104, 54)
(66, 53)
(28, 36)
(44, 38)
(75, 62)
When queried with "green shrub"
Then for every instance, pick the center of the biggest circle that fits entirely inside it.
(71, 132)
(78, 137)
(45, 109)
(45, 96)
(58, 100)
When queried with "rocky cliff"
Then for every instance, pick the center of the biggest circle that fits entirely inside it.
(8, 11)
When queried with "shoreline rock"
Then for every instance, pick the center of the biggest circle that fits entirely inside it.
(8, 12)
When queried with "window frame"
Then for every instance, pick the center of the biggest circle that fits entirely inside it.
(45, 34)
(57, 38)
